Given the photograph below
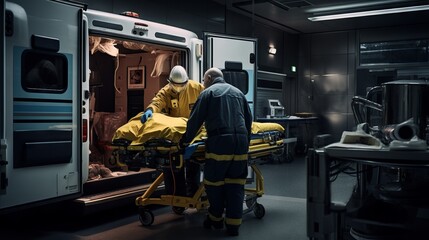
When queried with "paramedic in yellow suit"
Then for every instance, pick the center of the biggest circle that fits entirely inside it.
(176, 99)
(228, 120)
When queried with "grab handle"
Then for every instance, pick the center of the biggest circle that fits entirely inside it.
(359, 106)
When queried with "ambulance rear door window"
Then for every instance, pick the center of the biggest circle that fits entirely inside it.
(44, 72)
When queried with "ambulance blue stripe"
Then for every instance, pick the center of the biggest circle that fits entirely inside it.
(42, 109)
(41, 100)
(43, 121)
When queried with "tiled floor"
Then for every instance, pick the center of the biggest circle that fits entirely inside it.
(284, 202)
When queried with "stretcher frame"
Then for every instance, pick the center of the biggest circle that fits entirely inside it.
(259, 148)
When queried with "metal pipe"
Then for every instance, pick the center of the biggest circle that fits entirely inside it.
(402, 132)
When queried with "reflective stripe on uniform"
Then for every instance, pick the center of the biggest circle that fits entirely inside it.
(233, 221)
(217, 157)
(235, 181)
(216, 219)
(227, 180)
(218, 183)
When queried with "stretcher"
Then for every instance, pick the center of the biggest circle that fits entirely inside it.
(161, 153)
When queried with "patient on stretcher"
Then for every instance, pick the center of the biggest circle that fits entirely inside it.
(171, 129)
(161, 126)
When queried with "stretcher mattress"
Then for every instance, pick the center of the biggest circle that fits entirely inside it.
(169, 128)
(154, 143)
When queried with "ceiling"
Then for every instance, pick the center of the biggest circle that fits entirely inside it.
(292, 15)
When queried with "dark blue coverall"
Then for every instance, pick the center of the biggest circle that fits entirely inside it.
(228, 120)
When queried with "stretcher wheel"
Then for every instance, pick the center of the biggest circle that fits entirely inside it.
(250, 202)
(146, 217)
(178, 210)
(259, 211)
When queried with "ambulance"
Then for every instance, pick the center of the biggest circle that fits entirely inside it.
(70, 77)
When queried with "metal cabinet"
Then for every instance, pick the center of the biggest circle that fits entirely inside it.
(378, 208)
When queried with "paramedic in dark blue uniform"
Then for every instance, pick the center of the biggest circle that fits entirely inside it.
(226, 114)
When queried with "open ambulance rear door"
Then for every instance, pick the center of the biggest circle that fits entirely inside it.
(236, 57)
(3, 161)
(42, 103)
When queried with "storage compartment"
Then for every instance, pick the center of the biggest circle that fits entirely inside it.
(31, 148)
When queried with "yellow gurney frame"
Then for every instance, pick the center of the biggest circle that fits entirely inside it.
(259, 148)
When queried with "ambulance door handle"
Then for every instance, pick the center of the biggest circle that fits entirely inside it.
(8, 23)
(252, 58)
(3, 178)
(87, 94)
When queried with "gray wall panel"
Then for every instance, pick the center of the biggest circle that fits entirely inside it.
(329, 43)
(330, 84)
(290, 92)
(351, 69)
(334, 124)
(291, 54)
(394, 33)
(329, 67)
(351, 123)
(329, 64)
(273, 37)
(329, 103)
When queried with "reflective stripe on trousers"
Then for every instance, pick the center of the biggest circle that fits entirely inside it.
(225, 173)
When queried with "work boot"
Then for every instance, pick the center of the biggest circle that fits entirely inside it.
(208, 223)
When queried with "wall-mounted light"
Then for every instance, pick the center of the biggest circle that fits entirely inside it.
(272, 50)
(369, 13)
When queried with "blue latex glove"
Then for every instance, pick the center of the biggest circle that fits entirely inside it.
(146, 115)
(189, 150)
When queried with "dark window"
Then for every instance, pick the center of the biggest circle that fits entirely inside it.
(237, 78)
(270, 84)
(394, 52)
(43, 72)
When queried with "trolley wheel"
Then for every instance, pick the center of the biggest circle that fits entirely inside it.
(259, 211)
(178, 210)
(250, 203)
(146, 217)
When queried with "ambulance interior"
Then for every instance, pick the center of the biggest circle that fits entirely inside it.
(124, 77)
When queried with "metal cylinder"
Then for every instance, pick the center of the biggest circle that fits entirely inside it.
(406, 99)
(401, 132)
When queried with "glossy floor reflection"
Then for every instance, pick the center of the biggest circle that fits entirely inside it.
(284, 203)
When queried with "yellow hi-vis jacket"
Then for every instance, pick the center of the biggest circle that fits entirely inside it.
(176, 104)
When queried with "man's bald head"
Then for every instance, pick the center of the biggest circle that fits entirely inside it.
(210, 75)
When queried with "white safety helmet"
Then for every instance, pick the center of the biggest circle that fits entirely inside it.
(178, 75)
